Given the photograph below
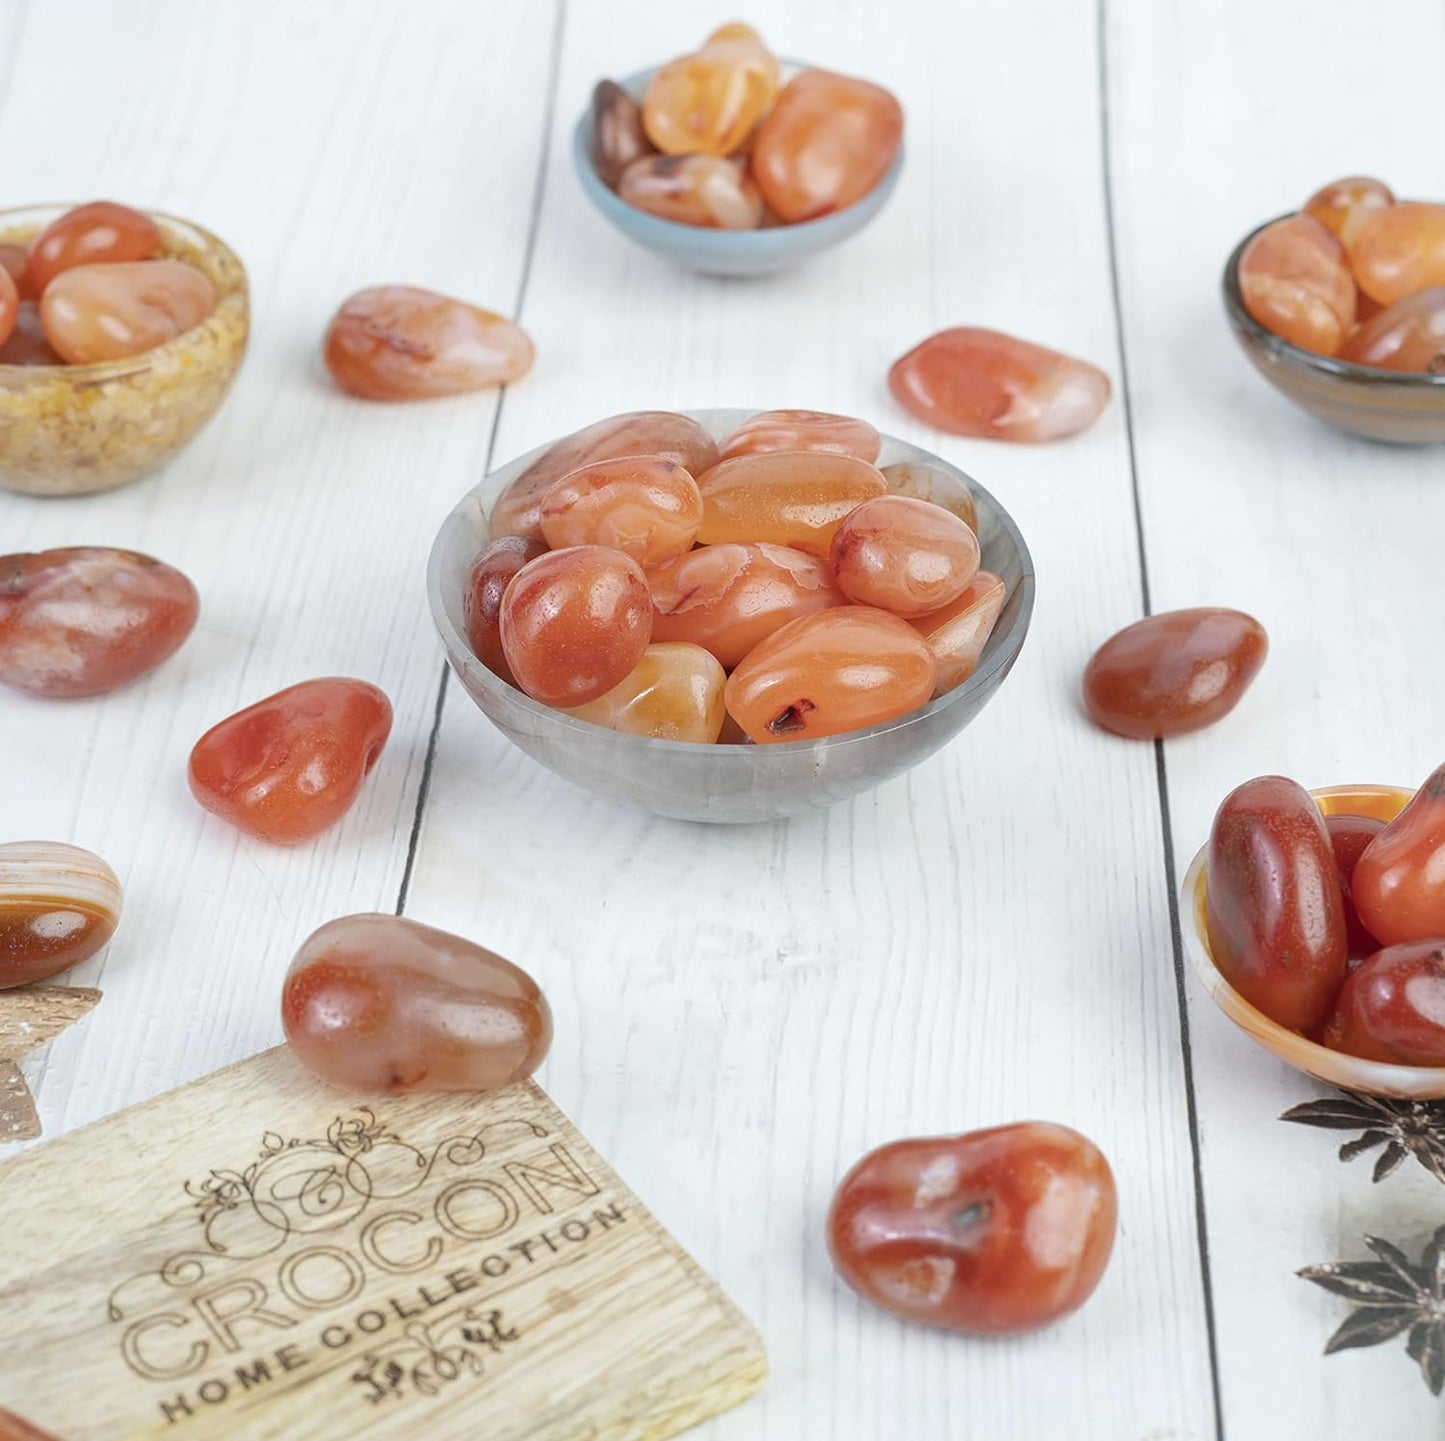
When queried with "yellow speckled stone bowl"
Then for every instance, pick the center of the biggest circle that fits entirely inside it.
(78, 429)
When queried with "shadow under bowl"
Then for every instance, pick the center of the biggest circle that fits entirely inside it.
(79, 429)
(1393, 405)
(727, 783)
(1335, 1068)
(723, 252)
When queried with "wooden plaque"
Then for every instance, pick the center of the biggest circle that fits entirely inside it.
(257, 1255)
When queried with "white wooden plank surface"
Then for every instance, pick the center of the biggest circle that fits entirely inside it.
(1225, 115)
(741, 1013)
(299, 134)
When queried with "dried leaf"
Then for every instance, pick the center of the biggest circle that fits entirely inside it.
(1337, 1113)
(1370, 1327)
(1395, 1259)
(1364, 1143)
(1390, 1157)
(1366, 1283)
(1427, 1346)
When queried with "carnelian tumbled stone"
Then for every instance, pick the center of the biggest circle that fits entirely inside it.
(58, 906)
(1399, 880)
(382, 1003)
(9, 305)
(793, 498)
(108, 312)
(1275, 915)
(1173, 673)
(101, 233)
(574, 623)
(982, 382)
(905, 556)
(1343, 206)
(826, 143)
(1392, 1008)
(1003, 1230)
(1408, 335)
(840, 670)
(518, 510)
(958, 633)
(290, 766)
(1295, 281)
(400, 342)
(487, 581)
(1400, 250)
(729, 597)
(27, 344)
(802, 430)
(617, 134)
(646, 506)
(707, 103)
(674, 693)
(1350, 837)
(13, 260)
(706, 190)
(919, 480)
(85, 620)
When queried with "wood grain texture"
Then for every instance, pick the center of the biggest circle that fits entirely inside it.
(742, 1012)
(262, 1256)
(1221, 120)
(304, 517)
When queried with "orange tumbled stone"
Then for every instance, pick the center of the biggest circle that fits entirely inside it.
(707, 103)
(826, 143)
(107, 312)
(646, 506)
(13, 259)
(957, 633)
(710, 191)
(27, 344)
(802, 430)
(794, 498)
(1343, 206)
(1295, 281)
(400, 342)
(972, 381)
(1400, 250)
(9, 305)
(674, 693)
(101, 233)
(1408, 335)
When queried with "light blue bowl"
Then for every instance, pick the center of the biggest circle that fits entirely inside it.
(724, 252)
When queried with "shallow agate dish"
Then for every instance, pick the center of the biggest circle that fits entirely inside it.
(1335, 1068)
(1395, 405)
(724, 252)
(728, 783)
(78, 429)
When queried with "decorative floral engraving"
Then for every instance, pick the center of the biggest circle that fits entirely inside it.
(428, 1357)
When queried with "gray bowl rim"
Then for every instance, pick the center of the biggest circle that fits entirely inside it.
(1010, 640)
(1277, 345)
(607, 199)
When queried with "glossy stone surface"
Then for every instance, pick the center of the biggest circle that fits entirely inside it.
(1343, 206)
(9, 305)
(706, 190)
(574, 623)
(383, 1003)
(1349, 837)
(1002, 1231)
(1400, 251)
(84, 620)
(1399, 881)
(646, 506)
(958, 633)
(617, 134)
(972, 381)
(27, 344)
(839, 670)
(1392, 1008)
(108, 312)
(802, 430)
(101, 233)
(13, 260)
(919, 481)
(487, 582)
(518, 510)
(905, 556)
(400, 342)
(58, 906)
(1408, 335)
(793, 499)
(825, 144)
(674, 693)
(1274, 911)
(290, 766)
(1173, 673)
(729, 597)
(1295, 281)
(707, 103)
